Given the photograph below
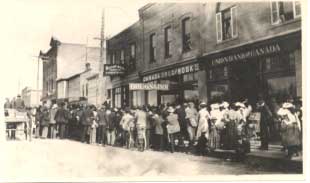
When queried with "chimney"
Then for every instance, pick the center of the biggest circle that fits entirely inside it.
(87, 66)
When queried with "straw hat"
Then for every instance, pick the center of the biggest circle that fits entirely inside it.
(203, 104)
(215, 106)
(224, 105)
(170, 109)
(288, 105)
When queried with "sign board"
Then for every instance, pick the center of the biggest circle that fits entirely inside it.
(254, 52)
(113, 69)
(172, 72)
(148, 86)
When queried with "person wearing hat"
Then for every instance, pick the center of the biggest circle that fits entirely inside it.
(7, 104)
(61, 118)
(192, 120)
(292, 132)
(102, 125)
(110, 118)
(202, 134)
(127, 124)
(45, 122)
(265, 122)
(140, 117)
(216, 126)
(173, 127)
(52, 124)
(19, 103)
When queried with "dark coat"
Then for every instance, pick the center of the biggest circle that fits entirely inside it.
(110, 118)
(62, 116)
(45, 118)
(102, 118)
(88, 117)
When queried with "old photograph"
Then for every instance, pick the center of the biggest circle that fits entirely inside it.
(136, 90)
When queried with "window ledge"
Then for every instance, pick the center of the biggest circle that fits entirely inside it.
(276, 25)
(227, 40)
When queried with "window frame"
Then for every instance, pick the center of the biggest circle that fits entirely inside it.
(152, 47)
(185, 47)
(233, 24)
(279, 21)
(168, 41)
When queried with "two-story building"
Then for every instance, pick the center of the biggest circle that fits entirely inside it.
(212, 51)
(125, 49)
(251, 49)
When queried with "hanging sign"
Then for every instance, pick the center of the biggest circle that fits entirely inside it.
(113, 69)
(148, 86)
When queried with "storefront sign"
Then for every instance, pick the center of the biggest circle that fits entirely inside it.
(113, 69)
(148, 86)
(172, 72)
(273, 48)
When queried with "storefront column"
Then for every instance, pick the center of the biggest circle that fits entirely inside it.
(202, 85)
(298, 71)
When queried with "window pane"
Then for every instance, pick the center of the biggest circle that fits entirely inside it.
(219, 26)
(297, 8)
(234, 21)
(219, 91)
(282, 87)
(226, 22)
(286, 11)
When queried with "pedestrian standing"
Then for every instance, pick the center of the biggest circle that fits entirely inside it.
(173, 127)
(93, 127)
(216, 126)
(61, 118)
(38, 119)
(202, 134)
(140, 116)
(87, 120)
(127, 124)
(180, 111)
(110, 118)
(265, 119)
(291, 129)
(45, 122)
(192, 121)
(102, 125)
(53, 127)
(159, 132)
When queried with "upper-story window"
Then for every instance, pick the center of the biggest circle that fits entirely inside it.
(132, 61)
(186, 34)
(168, 42)
(152, 48)
(284, 11)
(122, 59)
(226, 24)
(112, 58)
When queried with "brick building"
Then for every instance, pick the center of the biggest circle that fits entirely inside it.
(211, 51)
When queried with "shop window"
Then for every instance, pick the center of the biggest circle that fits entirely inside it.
(218, 73)
(219, 91)
(285, 61)
(168, 42)
(138, 98)
(152, 48)
(226, 24)
(268, 64)
(190, 77)
(284, 11)
(186, 34)
(282, 87)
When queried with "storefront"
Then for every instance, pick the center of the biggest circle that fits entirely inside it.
(270, 67)
(182, 81)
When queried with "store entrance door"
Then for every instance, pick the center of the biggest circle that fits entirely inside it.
(244, 80)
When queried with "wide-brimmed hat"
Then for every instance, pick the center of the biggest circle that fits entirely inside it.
(215, 106)
(224, 105)
(203, 104)
(288, 105)
(170, 109)
(54, 106)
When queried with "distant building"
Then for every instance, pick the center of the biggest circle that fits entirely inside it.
(31, 97)
(62, 62)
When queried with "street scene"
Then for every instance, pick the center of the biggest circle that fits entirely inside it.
(155, 90)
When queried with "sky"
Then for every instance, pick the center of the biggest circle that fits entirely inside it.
(28, 25)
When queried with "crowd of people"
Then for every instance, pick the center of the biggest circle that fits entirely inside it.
(182, 127)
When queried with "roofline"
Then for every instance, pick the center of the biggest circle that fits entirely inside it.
(138, 21)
